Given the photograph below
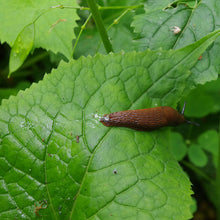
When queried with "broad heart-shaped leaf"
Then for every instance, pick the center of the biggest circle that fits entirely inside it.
(155, 30)
(58, 161)
(53, 29)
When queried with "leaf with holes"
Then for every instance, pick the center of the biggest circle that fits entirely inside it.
(57, 161)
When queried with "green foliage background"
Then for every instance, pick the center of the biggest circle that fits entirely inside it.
(57, 161)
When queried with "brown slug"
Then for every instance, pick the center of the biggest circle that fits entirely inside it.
(145, 119)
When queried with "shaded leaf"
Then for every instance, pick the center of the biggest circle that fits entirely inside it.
(209, 142)
(178, 146)
(203, 100)
(197, 156)
(6, 92)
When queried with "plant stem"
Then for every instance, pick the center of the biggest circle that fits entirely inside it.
(117, 19)
(80, 33)
(113, 23)
(35, 59)
(100, 25)
(218, 177)
(121, 7)
(70, 7)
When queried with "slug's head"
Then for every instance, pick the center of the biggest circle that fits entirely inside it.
(175, 118)
(172, 116)
(105, 120)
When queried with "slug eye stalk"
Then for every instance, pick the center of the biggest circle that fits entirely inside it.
(189, 122)
(193, 123)
(183, 108)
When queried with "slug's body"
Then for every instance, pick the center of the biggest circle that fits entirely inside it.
(145, 119)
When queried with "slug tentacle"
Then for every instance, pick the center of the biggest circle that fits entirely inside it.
(183, 108)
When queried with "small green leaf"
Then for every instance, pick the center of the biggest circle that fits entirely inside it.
(209, 142)
(178, 146)
(197, 155)
(21, 48)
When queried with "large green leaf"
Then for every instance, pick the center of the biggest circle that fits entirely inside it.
(55, 153)
(53, 29)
